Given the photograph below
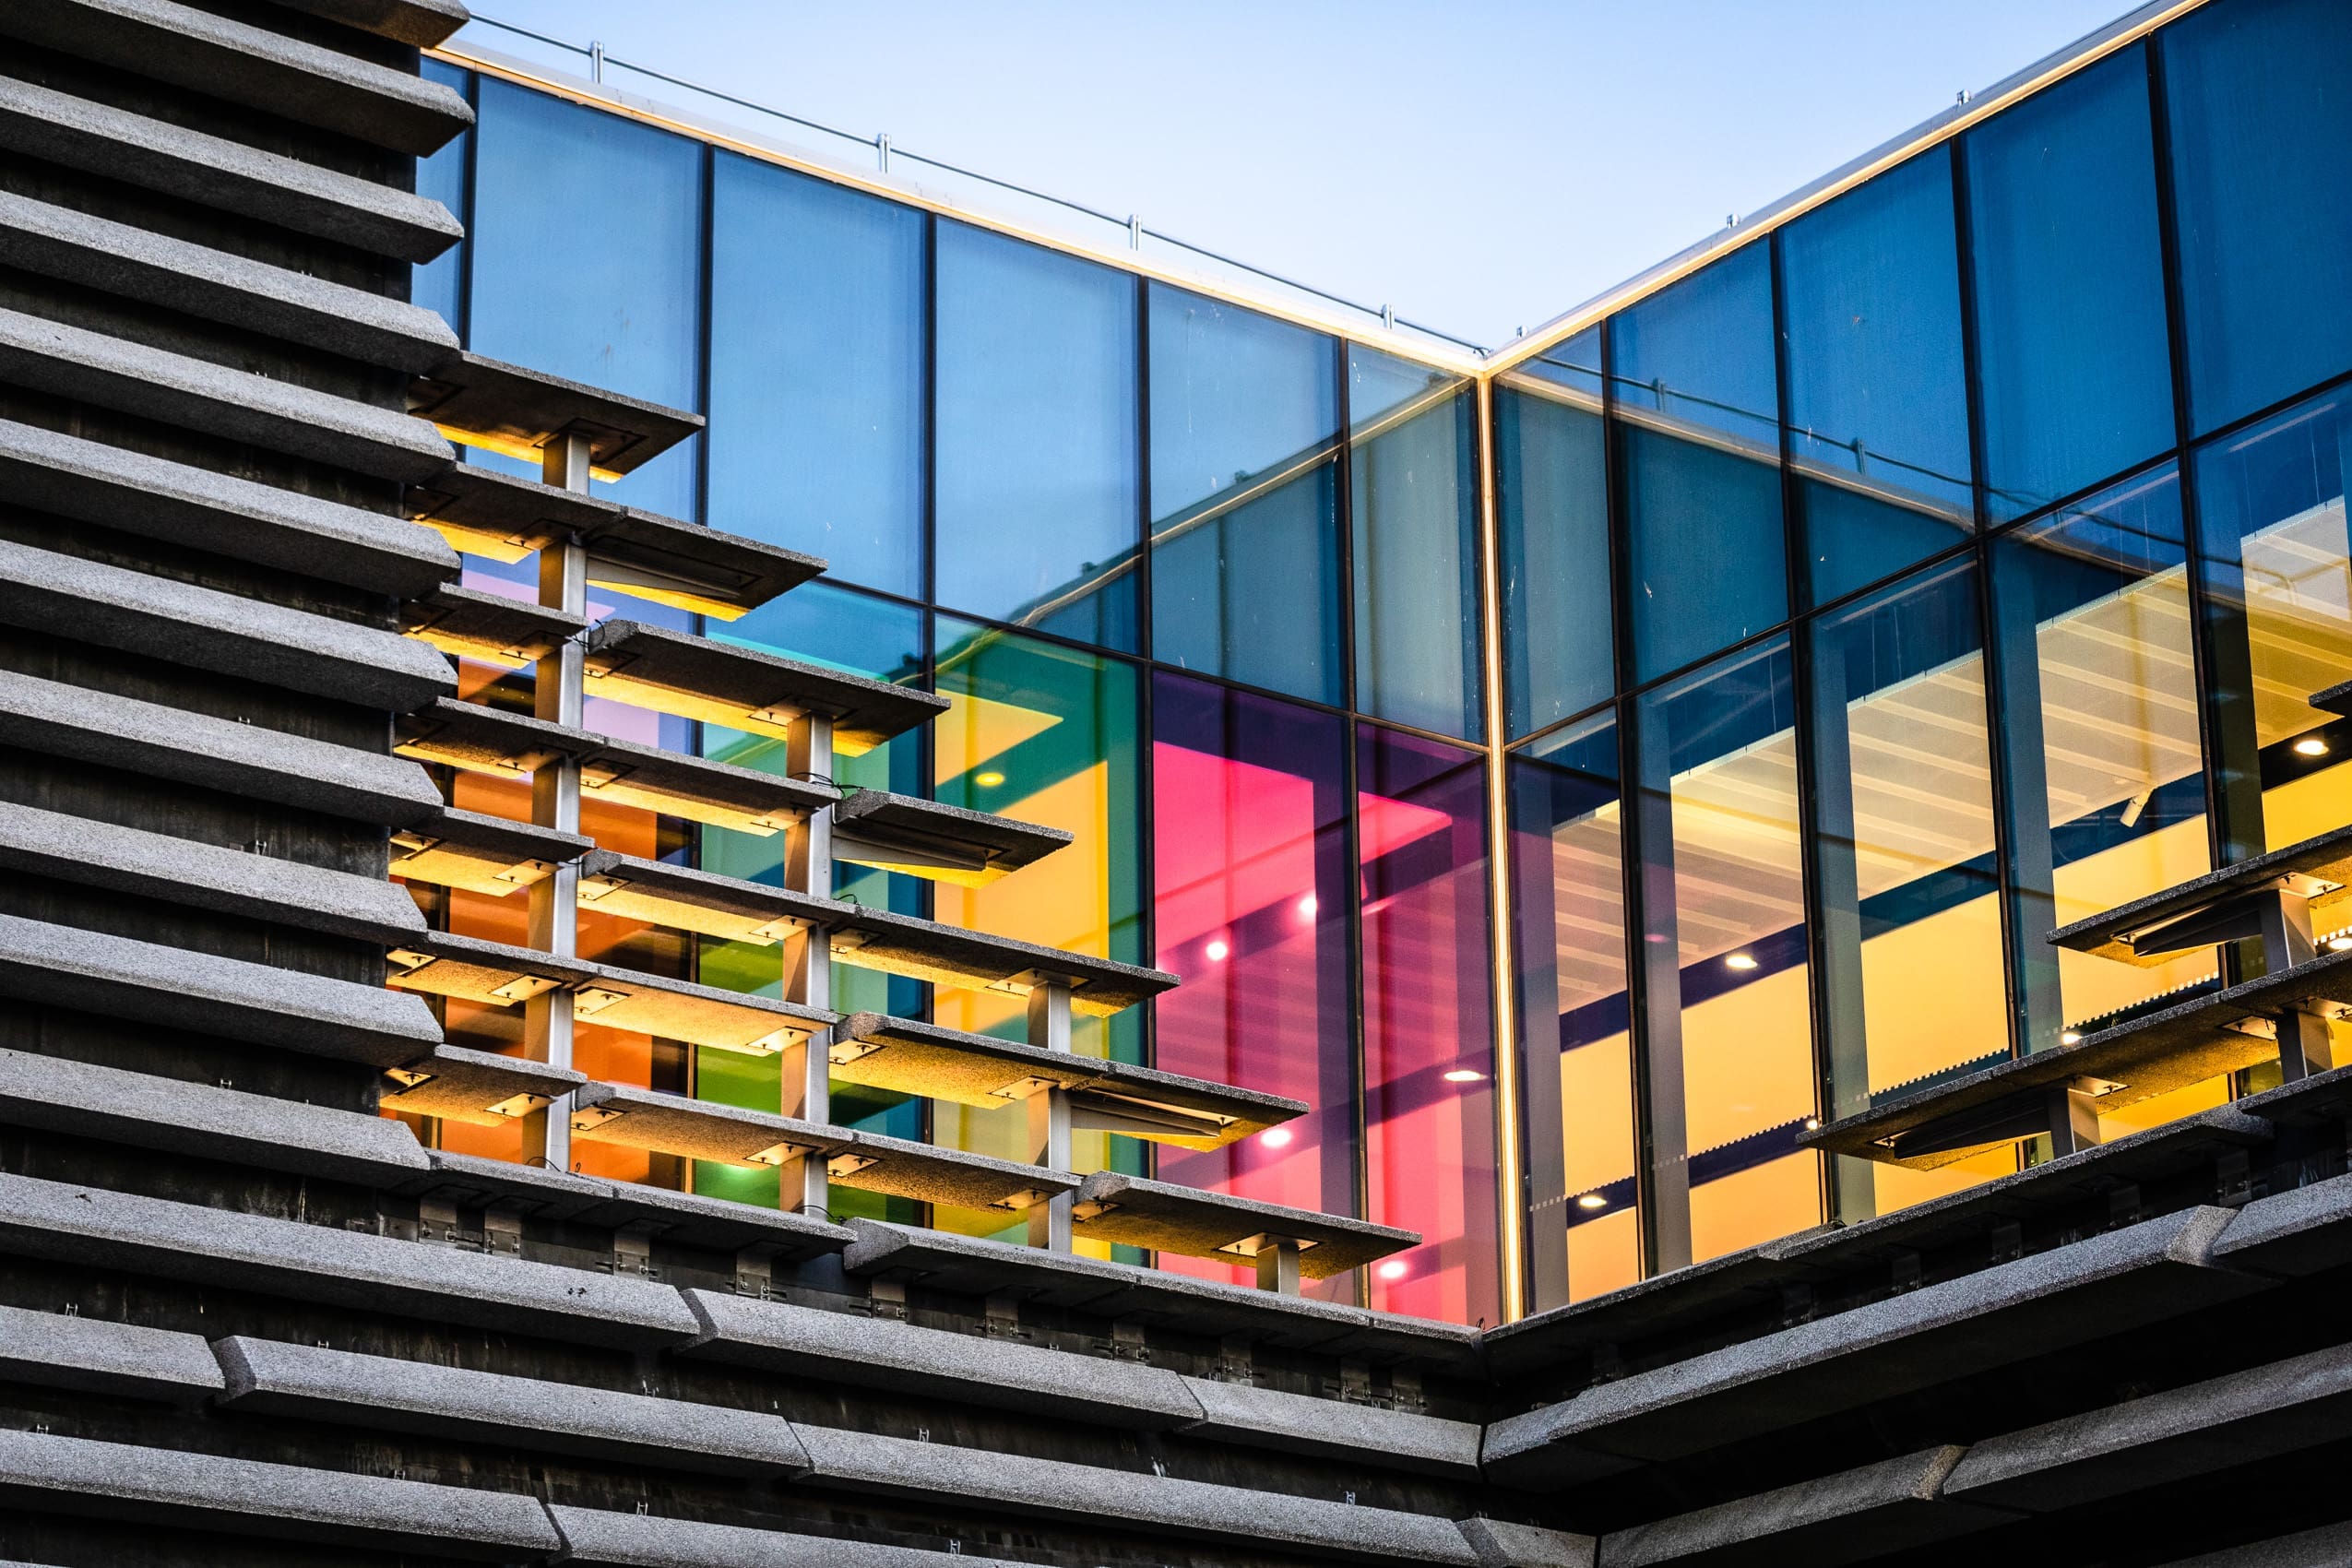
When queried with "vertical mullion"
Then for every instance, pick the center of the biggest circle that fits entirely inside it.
(1511, 1185)
(1147, 811)
(1359, 1152)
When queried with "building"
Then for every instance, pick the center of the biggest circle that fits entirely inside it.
(1081, 911)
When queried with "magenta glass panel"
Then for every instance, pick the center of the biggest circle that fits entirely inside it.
(1429, 1057)
(1249, 806)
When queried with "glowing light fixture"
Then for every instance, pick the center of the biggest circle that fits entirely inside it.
(1740, 961)
(2071, 1036)
(1218, 952)
(1275, 1137)
(1395, 1268)
(1466, 1075)
(2340, 943)
(1592, 1200)
(1812, 1123)
(1307, 908)
(2310, 745)
(988, 780)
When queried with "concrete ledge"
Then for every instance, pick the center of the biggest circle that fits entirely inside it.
(639, 1540)
(366, 1272)
(214, 172)
(57, 241)
(236, 405)
(65, 596)
(58, 965)
(248, 65)
(243, 760)
(875, 1352)
(2295, 1233)
(688, 1219)
(1887, 1508)
(2142, 1274)
(141, 1111)
(203, 876)
(1164, 1507)
(2182, 1434)
(382, 1393)
(421, 23)
(69, 1475)
(91, 482)
(2330, 1546)
(92, 1356)
(1300, 1423)
(1502, 1545)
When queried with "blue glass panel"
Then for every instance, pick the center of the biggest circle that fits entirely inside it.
(1383, 388)
(1854, 538)
(1552, 498)
(1251, 591)
(1700, 353)
(1574, 364)
(587, 261)
(2262, 193)
(1245, 554)
(1416, 571)
(439, 285)
(816, 371)
(1037, 437)
(2068, 288)
(1871, 298)
(1706, 563)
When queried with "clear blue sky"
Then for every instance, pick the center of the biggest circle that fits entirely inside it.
(1481, 164)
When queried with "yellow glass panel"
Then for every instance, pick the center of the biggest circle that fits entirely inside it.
(1755, 1206)
(1604, 1254)
(1932, 993)
(1748, 1061)
(1595, 1114)
(2092, 987)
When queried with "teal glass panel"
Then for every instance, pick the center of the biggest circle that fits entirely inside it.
(1416, 567)
(1552, 500)
(1706, 563)
(1699, 353)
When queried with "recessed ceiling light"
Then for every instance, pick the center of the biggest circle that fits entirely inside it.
(1218, 952)
(1740, 961)
(1465, 1076)
(1812, 1123)
(1592, 1200)
(988, 780)
(2070, 1037)
(2340, 943)
(1395, 1268)
(1307, 908)
(2310, 745)
(1275, 1137)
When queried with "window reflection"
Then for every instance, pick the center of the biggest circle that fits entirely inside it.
(2098, 710)
(1551, 505)
(1416, 564)
(1429, 1058)
(1707, 561)
(1698, 356)
(439, 285)
(1250, 904)
(1037, 439)
(1728, 1015)
(1568, 892)
(2271, 512)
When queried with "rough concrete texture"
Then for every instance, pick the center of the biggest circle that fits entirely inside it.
(2162, 1438)
(1159, 1505)
(2140, 1274)
(203, 876)
(228, 177)
(229, 60)
(120, 258)
(147, 1113)
(421, 23)
(1502, 1545)
(91, 482)
(245, 760)
(365, 1272)
(278, 416)
(64, 967)
(1300, 1423)
(1889, 1507)
(2327, 1546)
(527, 1413)
(2294, 1233)
(876, 1352)
(638, 1540)
(92, 1356)
(42, 1472)
(65, 596)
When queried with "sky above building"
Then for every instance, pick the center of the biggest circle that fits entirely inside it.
(1481, 165)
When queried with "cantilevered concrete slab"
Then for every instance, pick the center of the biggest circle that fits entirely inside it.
(199, 1244)
(901, 1168)
(905, 1358)
(2293, 1234)
(278, 416)
(421, 23)
(58, 241)
(89, 481)
(938, 843)
(480, 853)
(1501, 1544)
(492, 627)
(65, 596)
(529, 1414)
(1877, 1511)
(480, 738)
(715, 794)
(249, 65)
(505, 407)
(2318, 870)
(719, 682)
(243, 760)
(908, 1057)
(943, 955)
(115, 977)
(481, 1088)
(489, 974)
(648, 1540)
(233, 882)
(1968, 1326)
(228, 177)
(688, 1219)
(90, 1355)
(45, 1473)
(1112, 1207)
(688, 566)
(1335, 1429)
(685, 899)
